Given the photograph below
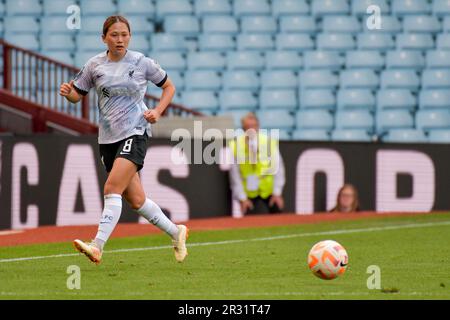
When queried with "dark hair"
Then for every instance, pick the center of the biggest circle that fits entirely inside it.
(355, 204)
(113, 19)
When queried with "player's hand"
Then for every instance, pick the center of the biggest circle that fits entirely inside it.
(246, 205)
(277, 200)
(66, 88)
(152, 115)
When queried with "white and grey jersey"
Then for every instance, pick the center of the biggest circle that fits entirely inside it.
(120, 87)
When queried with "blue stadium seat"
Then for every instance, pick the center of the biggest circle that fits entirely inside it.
(23, 7)
(2, 9)
(439, 136)
(81, 57)
(318, 79)
(351, 135)
(139, 42)
(220, 24)
(177, 79)
(330, 7)
(57, 7)
(311, 135)
(415, 41)
(323, 60)
(405, 136)
(425, 23)
(61, 42)
(212, 7)
(355, 99)
(317, 99)
(90, 25)
(298, 24)
(251, 7)
(359, 78)
(27, 41)
(57, 24)
(202, 80)
(206, 61)
(396, 99)
(257, 41)
(199, 100)
(393, 119)
(405, 60)
(359, 7)
(284, 134)
(235, 114)
(341, 24)
(278, 79)
(400, 79)
(168, 42)
(375, 41)
(433, 119)
(314, 119)
(443, 41)
(259, 24)
(103, 8)
(434, 99)
(141, 25)
(241, 80)
(335, 41)
(441, 8)
(446, 24)
(294, 41)
(282, 8)
(29, 25)
(389, 24)
(245, 60)
(171, 60)
(130, 8)
(89, 42)
(172, 7)
(275, 119)
(278, 99)
(364, 59)
(438, 59)
(216, 42)
(182, 24)
(436, 79)
(410, 7)
(284, 60)
(238, 99)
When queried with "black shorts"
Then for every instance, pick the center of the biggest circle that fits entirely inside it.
(132, 148)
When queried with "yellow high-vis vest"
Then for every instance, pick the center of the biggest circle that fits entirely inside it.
(260, 166)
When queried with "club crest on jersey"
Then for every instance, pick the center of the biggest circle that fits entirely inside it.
(130, 73)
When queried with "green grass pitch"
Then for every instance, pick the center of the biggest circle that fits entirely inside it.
(413, 254)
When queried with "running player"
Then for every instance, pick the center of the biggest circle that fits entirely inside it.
(120, 78)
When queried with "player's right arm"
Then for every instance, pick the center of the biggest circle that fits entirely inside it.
(67, 90)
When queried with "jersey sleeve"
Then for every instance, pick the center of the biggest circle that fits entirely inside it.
(154, 72)
(83, 80)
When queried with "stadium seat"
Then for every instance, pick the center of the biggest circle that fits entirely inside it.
(405, 60)
(238, 99)
(410, 7)
(375, 41)
(294, 41)
(28, 25)
(283, 60)
(396, 99)
(317, 99)
(177, 79)
(182, 24)
(139, 42)
(241, 80)
(168, 42)
(212, 7)
(172, 7)
(364, 59)
(446, 24)
(351, 135)
(405, 136)
(329, 7)
(23, 7)
(298, 24)
(284, 134)
(87, 42)
(251, 7)
(359, 78)
(441, 8)
(202, 80)
(434, 99)
(310, 135)
(359, 7)
(131, 8)
(245, 60)
(259, 24)
(278, 99)
(389, 25)
(216, 42)
(81, 57)
(91, 25)
(392, 119)
(400, 79)
(318, 79)
(206, 61)
(278, 79)
(141, 25)
(236, 115)
(415, 41)
(62, 42)
(341, 24)
(443, 41)
(436, 79)
(103, 8)
(171, 60)
(199, 100)
(27, 41)
(439, 136)
(314, 119)
(56, 7)
(259, 42)
(275, 119)
(322, 60)
(282, 8)
(418, 24)
(335, 41)
(355, 99)
(220, 24)
(433, 119)
(57, 24)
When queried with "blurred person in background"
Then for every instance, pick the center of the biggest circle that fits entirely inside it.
(253, 183)
(347, 199)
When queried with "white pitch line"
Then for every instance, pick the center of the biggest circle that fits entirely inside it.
(215, 243)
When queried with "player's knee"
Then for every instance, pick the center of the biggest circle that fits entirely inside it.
(110, 188)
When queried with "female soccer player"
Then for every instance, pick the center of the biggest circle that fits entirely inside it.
(120, 79)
